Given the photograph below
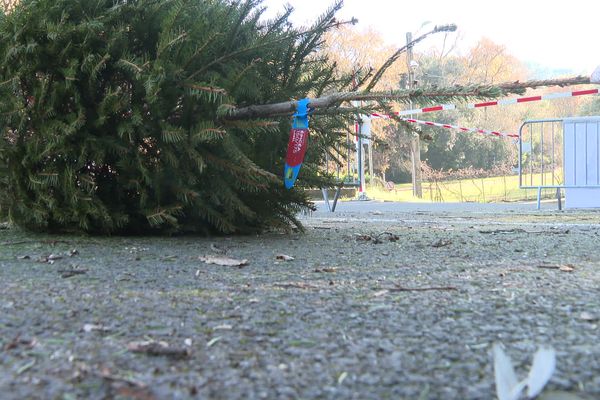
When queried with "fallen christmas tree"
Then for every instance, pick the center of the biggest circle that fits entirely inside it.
(148, 116)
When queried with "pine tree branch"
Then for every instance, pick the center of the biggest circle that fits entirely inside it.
(330, 25)
(463, 92)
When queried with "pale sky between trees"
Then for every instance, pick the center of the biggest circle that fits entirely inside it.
(551, 35)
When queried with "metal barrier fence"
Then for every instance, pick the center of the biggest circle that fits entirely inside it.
(562, 154)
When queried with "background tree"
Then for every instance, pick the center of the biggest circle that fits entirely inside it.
(6, 6)
(487, 62)
(358, 52)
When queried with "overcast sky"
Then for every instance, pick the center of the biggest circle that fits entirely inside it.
(554, 34)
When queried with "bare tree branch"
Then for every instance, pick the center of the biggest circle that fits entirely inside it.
(394, 57)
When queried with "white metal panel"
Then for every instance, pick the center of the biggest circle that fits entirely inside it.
(570, 153)
(582, 161)
(593, 160)
(595, 78)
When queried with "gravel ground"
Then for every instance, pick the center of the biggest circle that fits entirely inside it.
(376, 304)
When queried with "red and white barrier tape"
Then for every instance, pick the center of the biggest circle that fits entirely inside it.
(551, 96)
(503, 102)
(448, 126)
(441, 107)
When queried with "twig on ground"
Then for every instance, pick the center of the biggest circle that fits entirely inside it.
(68, 273)
(563, 268)
(294, 285)
(50, 242)
(515, 230)
(420, 289)
(154, 348)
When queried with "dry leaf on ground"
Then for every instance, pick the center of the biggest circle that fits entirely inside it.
(223, 261)
(441, 243)
(363, 238)
(325, 269)
(68, 273)
(18, 342)
(378, 238)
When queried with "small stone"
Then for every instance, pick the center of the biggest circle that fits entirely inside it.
(586, 316)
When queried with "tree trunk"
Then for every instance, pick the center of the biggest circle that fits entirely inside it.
(464, 92)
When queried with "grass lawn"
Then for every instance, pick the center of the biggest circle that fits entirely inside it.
(483, 190)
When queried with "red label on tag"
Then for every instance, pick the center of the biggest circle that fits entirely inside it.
(297, 146)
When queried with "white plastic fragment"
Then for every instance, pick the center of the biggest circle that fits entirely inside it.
(544, 363)
(342, 377)
(504, 373)
(507, 385)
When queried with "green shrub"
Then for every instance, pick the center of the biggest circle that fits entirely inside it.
(114, 115)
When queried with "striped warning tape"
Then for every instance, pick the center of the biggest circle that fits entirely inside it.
(550, 96)
(441, 107)
(449, 126)
(502, 102)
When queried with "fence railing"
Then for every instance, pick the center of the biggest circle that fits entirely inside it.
(560, 154)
